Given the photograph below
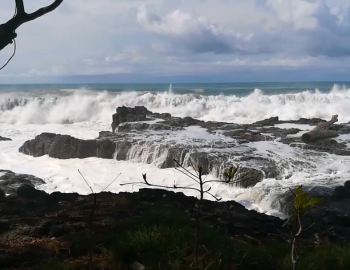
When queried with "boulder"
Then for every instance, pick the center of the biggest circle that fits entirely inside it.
(2, 195)
(126, 114)
(66, 147)
(29, 192)
(341, 192)
(268, 122)
(4, 139)
(10, 181)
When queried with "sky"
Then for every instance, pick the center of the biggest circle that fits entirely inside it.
(139, 41)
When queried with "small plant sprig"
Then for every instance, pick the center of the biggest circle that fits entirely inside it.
(302, 205)
(229, 177)
(91, 219)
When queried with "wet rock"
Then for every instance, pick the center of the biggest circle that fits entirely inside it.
(30, 192)
(129, 126)
(342, 192)
(126, 114)
(326, 145)
(309, 121)
(247, 135)
(2, 195)
(66, 147)
(248, 177)
(268, 122)
(280, 133)
(174, 153)
(10, 182)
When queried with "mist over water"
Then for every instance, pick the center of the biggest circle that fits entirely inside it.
(27, 111)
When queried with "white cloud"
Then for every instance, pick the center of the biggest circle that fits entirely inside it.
(182, 36)
(130, 54)
(194, 34)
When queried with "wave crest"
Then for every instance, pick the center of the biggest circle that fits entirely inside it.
(82, 106)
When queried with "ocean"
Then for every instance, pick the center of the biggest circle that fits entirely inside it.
(82, 110)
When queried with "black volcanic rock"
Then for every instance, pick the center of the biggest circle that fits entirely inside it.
(2, 195)
(126, 114)
(10, 181)
(4, 139)
(268, 122)
(66, 147)
(30, 192)
(136, 114)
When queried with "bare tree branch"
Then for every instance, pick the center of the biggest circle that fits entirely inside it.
(42, 11)
(7, 30)
(20, 7)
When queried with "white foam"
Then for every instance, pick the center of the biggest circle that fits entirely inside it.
(298, 126)
(62, 175)
(79, 106)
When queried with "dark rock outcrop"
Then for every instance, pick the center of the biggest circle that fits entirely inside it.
(10, 181)
(2, 195)
(126, 114)
(4, 139)
(342, 192)
(30, 192)
(66, 147)
(268, 122)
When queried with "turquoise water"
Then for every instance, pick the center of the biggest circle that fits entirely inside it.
(237, 89)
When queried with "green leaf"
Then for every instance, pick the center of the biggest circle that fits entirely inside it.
(313, 202)
(301, 200)
(231, 173)
(299, 190)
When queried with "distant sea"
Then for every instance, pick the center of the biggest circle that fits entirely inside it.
(238, 89)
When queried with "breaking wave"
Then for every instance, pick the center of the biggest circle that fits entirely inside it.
(85, 106)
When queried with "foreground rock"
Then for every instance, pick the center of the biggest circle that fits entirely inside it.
(66, 147)
(10, 181)
(42, 225)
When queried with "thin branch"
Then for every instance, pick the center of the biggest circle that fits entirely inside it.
(178, 163)
(188, 175)
(111, 183)
(13, 54)
(197, 173)
(42, 11)
(159, 186)
(240, 179)
(86, 181)
(215, 197)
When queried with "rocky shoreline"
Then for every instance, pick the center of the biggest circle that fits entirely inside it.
(142, 136)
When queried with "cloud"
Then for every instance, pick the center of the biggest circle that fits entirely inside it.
(130, 54)
(197, 35)
(299, 27)
(310, 27)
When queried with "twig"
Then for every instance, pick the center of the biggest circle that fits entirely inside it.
(92, 214)
(198, 178)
